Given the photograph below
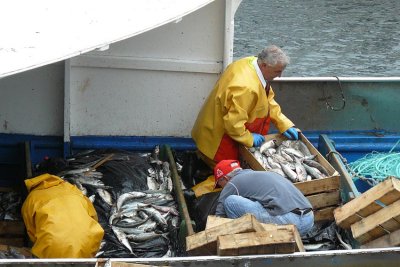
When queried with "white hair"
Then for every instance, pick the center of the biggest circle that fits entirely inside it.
(273, 55)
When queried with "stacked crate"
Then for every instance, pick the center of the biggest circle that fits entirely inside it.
(323, 194)
(243, 236)
(374, 216)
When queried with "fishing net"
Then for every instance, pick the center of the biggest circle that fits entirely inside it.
(375, 167)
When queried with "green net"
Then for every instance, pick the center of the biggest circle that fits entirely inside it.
(376, 166)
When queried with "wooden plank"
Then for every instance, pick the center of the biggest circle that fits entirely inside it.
(12, 241)
(213, 221)
(325, 199)
(386, 192)
(389, 240)
(297, 238)
(247, 158)
(325, 214)
(319, 185)
(299, 247)
(6, 189)
(370, 228)
(281, 241)
(205, 242)
(12, 228)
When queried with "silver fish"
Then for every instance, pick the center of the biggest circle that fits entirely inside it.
(73, 172)
(300, 170)
(92, 198)
(165, 209)
(258, 156)
(143, 237)
(289, 173)
(157, 217)
(273, 164)
(286, 143)
(132, 206)
(122, 238)
(314, 172)
(152, 184)
(143, 214)
(265, 163)
(147, 227)
(286, 156)
(175, 221)
(91, 181)
(81, 187)
(278, 158)
(310, 157)
(267, 144)
(168, 254)
(269, 152)
(127, 196)
(344, 244)
(311, 247)
(302, 148)
(105, 196)
(294, 152)
(313, 163)
(114, 214)
(130, 222)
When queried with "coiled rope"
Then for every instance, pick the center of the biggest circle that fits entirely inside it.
(376, 167)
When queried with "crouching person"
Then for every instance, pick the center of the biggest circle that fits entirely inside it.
(270, 197)
(60, 221)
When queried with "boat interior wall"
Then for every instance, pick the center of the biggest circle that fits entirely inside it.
(45, 32)
(140, 86)
(32, 101)
(368, 105)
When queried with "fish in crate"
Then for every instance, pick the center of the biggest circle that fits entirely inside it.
(291, 159)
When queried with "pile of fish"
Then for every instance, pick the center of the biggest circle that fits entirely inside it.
(291, 159)
(10, 206)
(10, 252)
(133, 196)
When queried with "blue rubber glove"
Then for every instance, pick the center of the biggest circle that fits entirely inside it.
(291, 133)
(258, 139)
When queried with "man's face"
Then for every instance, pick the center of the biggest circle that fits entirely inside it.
(223, 181)
(271, 72)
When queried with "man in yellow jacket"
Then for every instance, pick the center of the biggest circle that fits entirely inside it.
(241, 106)
(60, 220)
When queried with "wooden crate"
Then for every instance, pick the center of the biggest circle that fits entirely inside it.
(12, 233)
(266, 242)
(213, 221)
(373, 214)
(205, 242)
(323, 194)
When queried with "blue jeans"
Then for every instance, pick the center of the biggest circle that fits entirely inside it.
(237, 206)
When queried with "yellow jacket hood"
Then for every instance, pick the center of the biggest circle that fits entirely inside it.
(42, 182)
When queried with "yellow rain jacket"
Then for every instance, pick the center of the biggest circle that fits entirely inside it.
(237, 107)
(60, 220)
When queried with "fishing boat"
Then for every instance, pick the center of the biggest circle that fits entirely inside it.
(134, 75)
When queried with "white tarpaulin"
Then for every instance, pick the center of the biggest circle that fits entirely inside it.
(41, 32)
